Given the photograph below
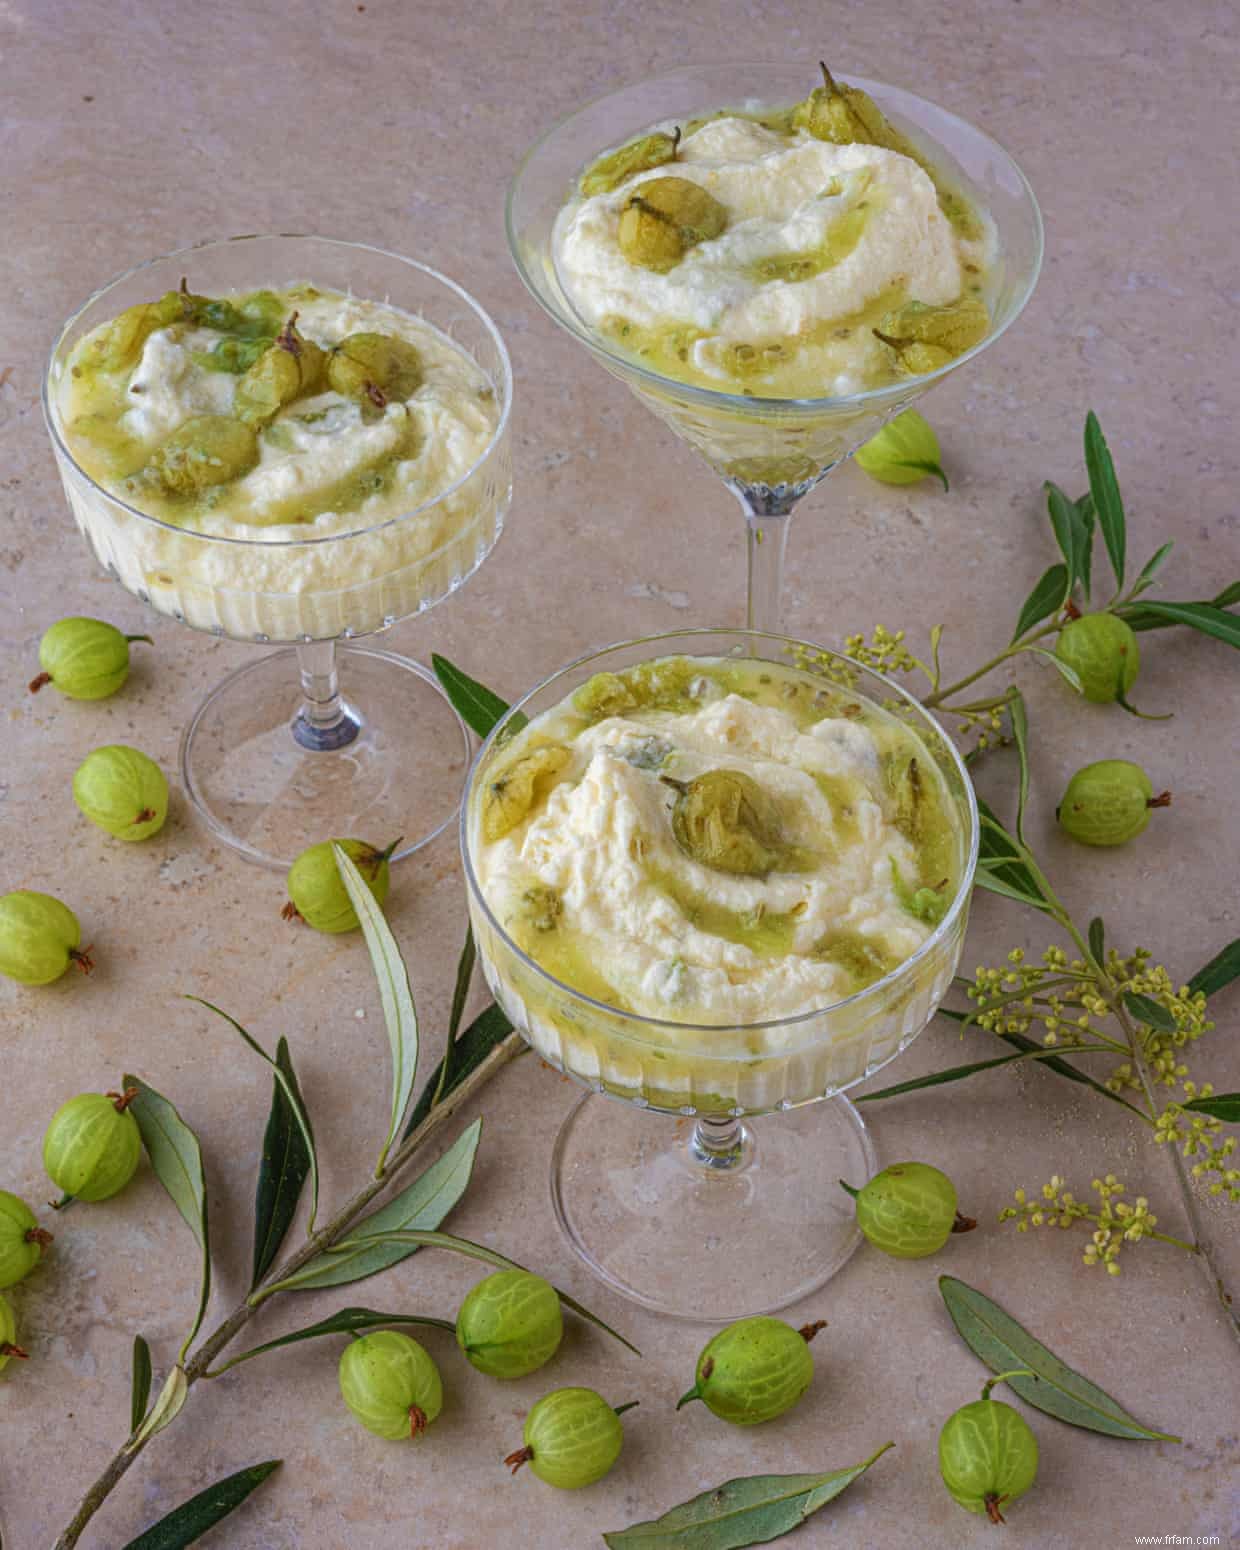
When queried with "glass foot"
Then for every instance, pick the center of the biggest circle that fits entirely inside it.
(710, 1227)
(267, 783)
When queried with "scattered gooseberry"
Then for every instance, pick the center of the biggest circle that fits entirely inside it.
(92, 1145)
(122, 791)
(391, 1384)
(572, 1438)
(1109, 802)
(510, 1324)
(1102, 650)
(39, 938)
(84, 658)
(316, 890)
(9, 1348)
(905, 451)
(22, 1240)
(754, 1370)
(988, 1455)
(909, 1210)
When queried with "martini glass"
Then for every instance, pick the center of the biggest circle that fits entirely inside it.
(710, 1189)
(768, 451)
(324, 737)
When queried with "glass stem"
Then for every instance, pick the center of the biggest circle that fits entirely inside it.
(721, 1143)
(768, 514)
(323, 720)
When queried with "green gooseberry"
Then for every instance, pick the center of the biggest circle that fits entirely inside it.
(391, 1384)
(316, 890)
(754, 1370)
(22, 1240)
(1103, 652)
(92, 1145)
(39, 938)
(572, 1438)
(909, 1210)
(988, 1455)
(905, 451)
(1109, 802)
(9, 1348)
(203, 451)
(84, 658)
(643, 155)
(377, 367)
(122, 791)
(510, 1324)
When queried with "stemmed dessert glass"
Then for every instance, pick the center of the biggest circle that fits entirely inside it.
(768, 451)
(716, 1211)
(324, 737)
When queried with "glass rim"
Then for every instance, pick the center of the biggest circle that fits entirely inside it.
(743, 403)
(496, 439)
(668, 1025)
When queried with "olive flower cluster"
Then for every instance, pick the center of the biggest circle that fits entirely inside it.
(1117, 1222)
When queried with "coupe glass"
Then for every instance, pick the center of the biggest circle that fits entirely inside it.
(717, 1212)
(317, 739)
(769, 451)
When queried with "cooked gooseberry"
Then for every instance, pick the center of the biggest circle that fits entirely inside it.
(286, 369)
(203, 451)
(377, 367)
(572, 1438)
(84, 658)
(39, 938)
(843, 114)
(508, 795)
(510, 1324)
(909, 1210)
(1109, 802)
(316, 890)
(988, 1456)
(1103, 652)
(904, 451)
(663, 218)
(925, 337)
(122, 791)
(22, 1240)
(725, 820)
(391, 1384)
(638, 156)
(9, 1348)
(754, 1370)
(92, 1145)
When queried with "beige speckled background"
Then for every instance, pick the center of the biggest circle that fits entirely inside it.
(129, 128)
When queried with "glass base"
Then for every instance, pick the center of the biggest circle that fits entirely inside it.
(710, 1237)
(267, 785)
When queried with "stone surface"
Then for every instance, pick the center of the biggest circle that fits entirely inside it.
(131, 129)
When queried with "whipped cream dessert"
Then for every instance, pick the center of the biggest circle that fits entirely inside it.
(312, 432)
(797, 253)
(714, 842)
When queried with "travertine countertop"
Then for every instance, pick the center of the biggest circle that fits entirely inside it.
(131, 128)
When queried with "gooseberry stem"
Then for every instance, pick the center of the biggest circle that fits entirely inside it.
(632, 1404)
(940, 695)
(1016, 1372)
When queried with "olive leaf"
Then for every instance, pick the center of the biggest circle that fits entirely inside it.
(1065, 670)
(1150, 1012)
(399, 1013)
(1219, 972)
(1049, 594)
(1104, 490)
(460, 995)
(288, 1151)
(1229, 595)
(1061, 1067)
(185, 1525)
(1073, 534)
(952, 1074)
(421, 1205)
(1001, 864)
(478, 706)
(176, 1158)
(1151, 568)
(487, 1032)
(165, 1409)
(1019, 718)
(748, 1511)
(443, 1240)
(345, 1321)
(1057, 1389)
(1224, 1106)
(1097, 939)
(140, 1385)
(1209, 618)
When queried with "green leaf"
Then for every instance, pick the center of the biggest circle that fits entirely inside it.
(1229, 595)
(176, 1158)
(752, 1510)
(460, 995)
(1072, 534)
(1147, 1011)
(1000, 867)
(1224, 1106)
(1056, 1389)
(165, 1409)
(277, 1145)
(938, 1078)
(1047, 597)
(396, 997)
(477, 706)
(186, 1524)
(989, 879)
(1206, 617)
(1104, 489)
(1085, 507)
(343, 1322)
(1019, 718)
(1220, 971)
(1065, 670)
(1097, 939)
(1061, 1068)
(1151, 568)
(140, 1386)
(487, 1032)
(421, 1205)
(443, 1240)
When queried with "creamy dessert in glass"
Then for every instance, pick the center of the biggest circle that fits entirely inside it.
(718, 875)
(292, 439)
